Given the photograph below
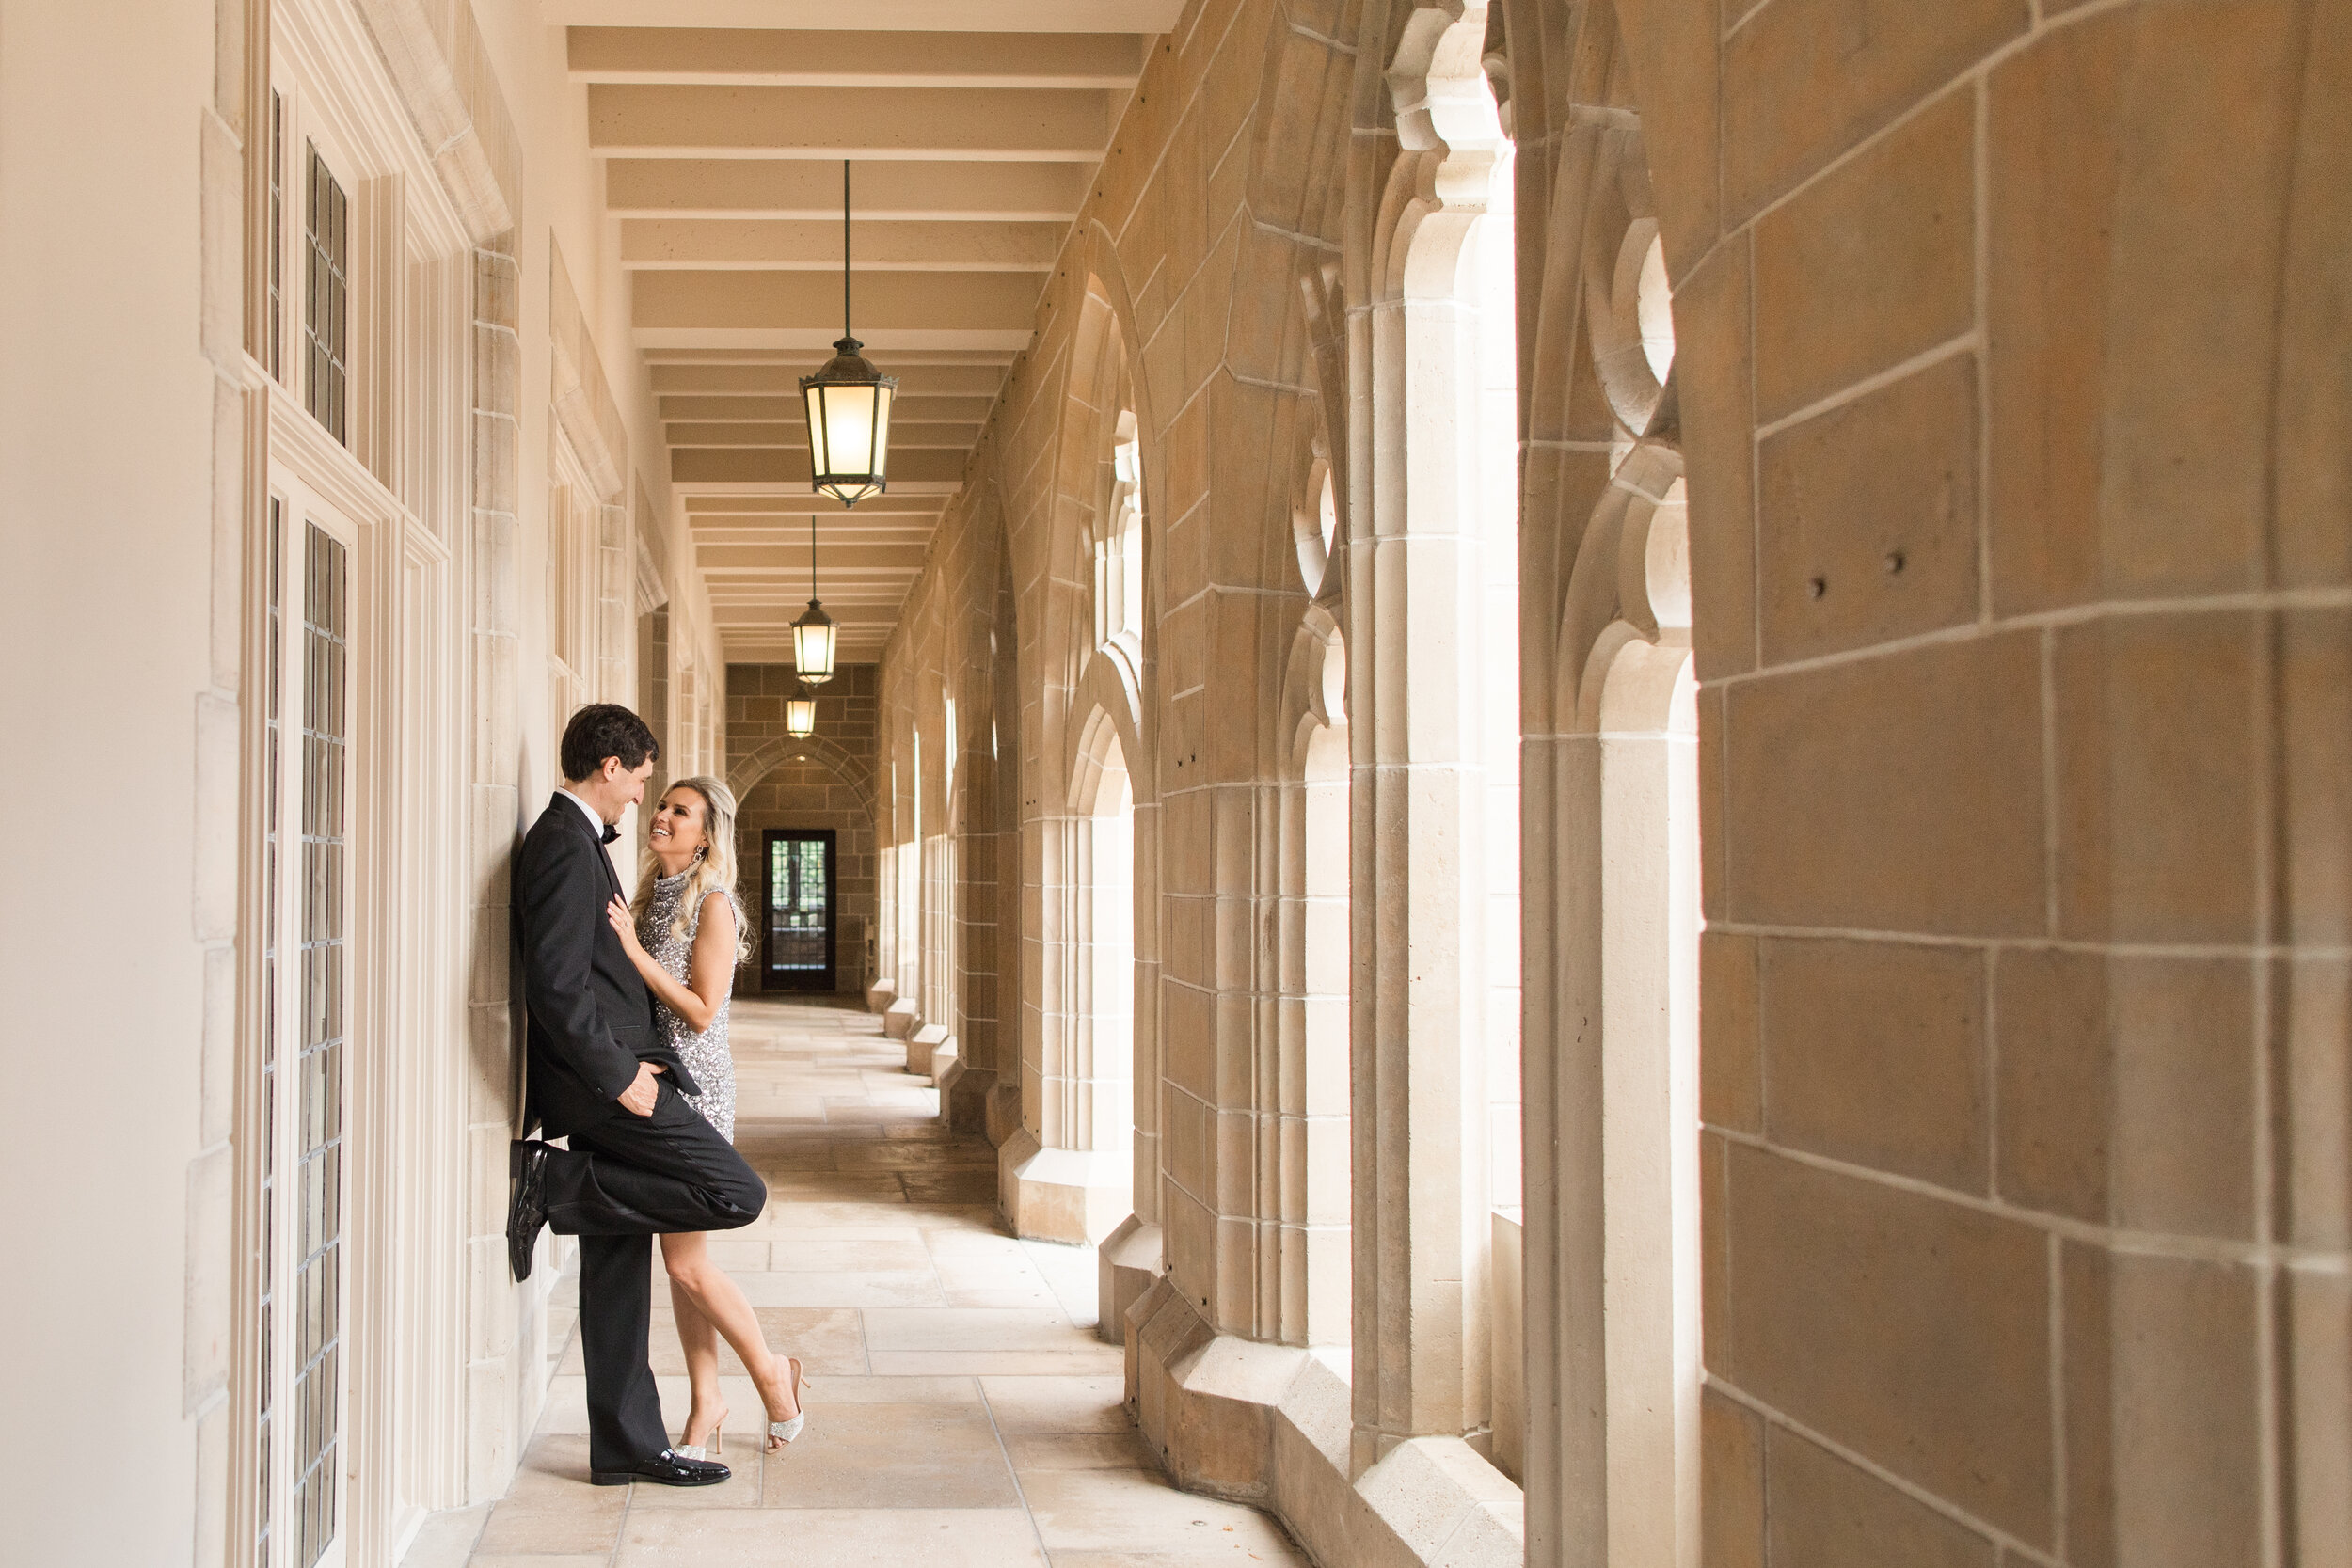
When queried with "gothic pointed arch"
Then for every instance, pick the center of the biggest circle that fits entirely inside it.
(745, 775)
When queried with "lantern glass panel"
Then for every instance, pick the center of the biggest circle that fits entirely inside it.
(812, 649)
(848, 436)
(800, 716)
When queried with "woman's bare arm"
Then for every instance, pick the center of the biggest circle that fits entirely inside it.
(695, 1005)
(711, 965)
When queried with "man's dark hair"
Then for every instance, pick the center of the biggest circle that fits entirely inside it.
(603, 730)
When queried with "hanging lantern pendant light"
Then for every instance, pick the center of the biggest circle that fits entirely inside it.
(800, 712)
(847, 404)
(813, 633)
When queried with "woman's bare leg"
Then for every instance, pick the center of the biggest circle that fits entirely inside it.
(720, 1304)
(699, 1340)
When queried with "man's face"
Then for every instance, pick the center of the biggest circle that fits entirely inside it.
(626, 783)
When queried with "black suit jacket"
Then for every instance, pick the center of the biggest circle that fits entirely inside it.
(591, 1018)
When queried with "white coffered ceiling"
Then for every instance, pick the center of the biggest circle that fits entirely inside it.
(973, 128)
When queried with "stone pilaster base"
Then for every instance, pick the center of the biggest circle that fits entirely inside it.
(1063, 1195)
(924, 1049)
(1000, 1118)
(1128, 1262)
(963, 1091)
(881, 994)
(1270, 1425)
(902, 1019)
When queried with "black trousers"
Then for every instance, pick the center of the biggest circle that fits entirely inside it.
(624, 1181)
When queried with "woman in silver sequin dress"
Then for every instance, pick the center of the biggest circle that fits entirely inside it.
(684, 935)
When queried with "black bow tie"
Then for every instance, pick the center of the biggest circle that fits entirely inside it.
(611, 833)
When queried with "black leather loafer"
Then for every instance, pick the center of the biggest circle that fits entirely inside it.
(666, 1469)
(527, 1162)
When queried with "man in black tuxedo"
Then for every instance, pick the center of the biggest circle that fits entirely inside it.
(642, 1162)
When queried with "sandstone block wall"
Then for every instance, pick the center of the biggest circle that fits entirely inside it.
(824, 783)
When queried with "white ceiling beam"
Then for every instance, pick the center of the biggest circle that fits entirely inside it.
(820, 336)
(904, 435)
(785, 465)
(890, 189)
(927, 355)
(879, 513)
(914, 409)
(974, 16)
(782, 613)
(782, 378)
(888, 302)
(793, 498)
(831, 556)
(867, 59)
(1014, 124)
(815, 245)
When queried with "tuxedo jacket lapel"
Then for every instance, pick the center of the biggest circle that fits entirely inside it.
(611, 876)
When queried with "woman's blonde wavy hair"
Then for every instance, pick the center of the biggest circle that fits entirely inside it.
(714, 868)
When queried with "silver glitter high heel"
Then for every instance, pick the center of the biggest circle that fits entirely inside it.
(718, 1442)
(787, 1430)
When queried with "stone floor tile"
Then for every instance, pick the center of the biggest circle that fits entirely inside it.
(1058, 1403)
(1096, 1358)
(909, 1289)
(588, 1521)
(852, 1112)
(1078, 1450)
(805, 1252)
(978, 1187)
(736, 1254)
(1139, 1511)
(837, 1187)
(966, 1328)
(895, 1390)
(831, 1537)
(1229, 1551)
(893, 1456)
(981, 1273)
(805, 1214)
(1029, 1298)
(446, 1539)
(888, 1153)
(803, 1239)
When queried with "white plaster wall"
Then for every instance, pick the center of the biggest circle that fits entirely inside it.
(106, 542)
(563, 204)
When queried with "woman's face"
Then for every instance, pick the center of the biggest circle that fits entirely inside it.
(677, 823)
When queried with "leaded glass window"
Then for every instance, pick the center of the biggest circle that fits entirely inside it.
(326, 326)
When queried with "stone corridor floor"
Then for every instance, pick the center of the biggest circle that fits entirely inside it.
(963, 1413)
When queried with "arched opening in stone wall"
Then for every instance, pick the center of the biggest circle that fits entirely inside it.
(1089, 1012)
(1316, 1285)
(1489, 405)
(1315, 527)
(1613, 1246)
(1118, 542)
(1636, 728)
(1103, 955)
(1433, 627)
(1072, 1177)
(803, 784)
(905, 871)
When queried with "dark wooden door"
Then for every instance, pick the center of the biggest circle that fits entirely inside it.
(797, 942)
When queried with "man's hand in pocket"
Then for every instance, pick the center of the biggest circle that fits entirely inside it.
(638, 1099)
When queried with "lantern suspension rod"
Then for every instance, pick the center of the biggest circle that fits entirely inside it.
(844, 255)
